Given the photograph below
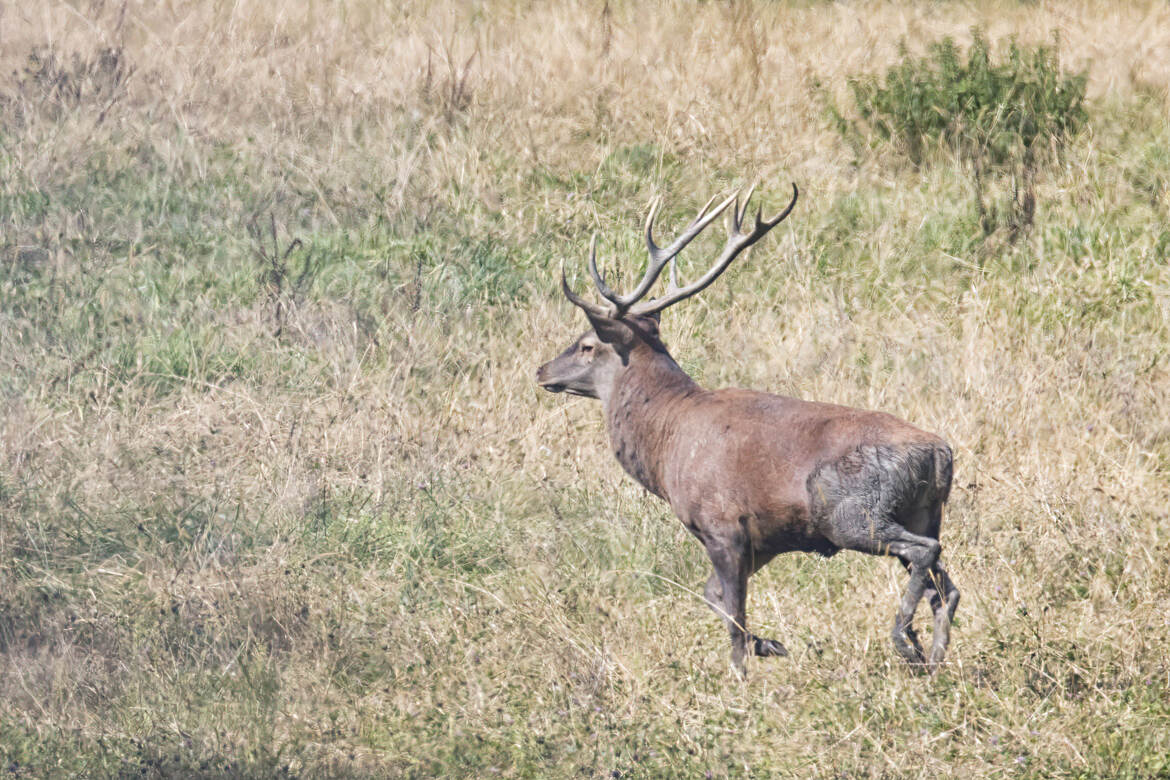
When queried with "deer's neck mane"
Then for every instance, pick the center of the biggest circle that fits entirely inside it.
(642, 410)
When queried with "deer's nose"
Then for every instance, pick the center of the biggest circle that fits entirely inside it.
(548, 384)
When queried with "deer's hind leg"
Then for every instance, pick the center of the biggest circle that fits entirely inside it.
(888, 501)
(853, 526)
(920, 555)
(940, 591)
(944, 600)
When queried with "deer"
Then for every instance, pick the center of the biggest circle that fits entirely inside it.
(751, 474)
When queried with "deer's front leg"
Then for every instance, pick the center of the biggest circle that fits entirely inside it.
(714, 594)
(759, 645)
(731, 571)
(732, 556)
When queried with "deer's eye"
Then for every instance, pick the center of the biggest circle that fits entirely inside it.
(586, 349)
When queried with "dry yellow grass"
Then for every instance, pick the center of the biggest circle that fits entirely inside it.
(369, 546)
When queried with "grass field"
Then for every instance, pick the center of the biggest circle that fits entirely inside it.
(279, 495)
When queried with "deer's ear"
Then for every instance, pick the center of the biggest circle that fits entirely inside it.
(610, 331)
(649, 322)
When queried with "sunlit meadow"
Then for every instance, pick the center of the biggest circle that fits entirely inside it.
(278, 493)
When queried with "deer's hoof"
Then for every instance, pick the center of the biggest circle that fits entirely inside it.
(907, 646)
(767, 647)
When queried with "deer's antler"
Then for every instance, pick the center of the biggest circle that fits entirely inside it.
(737, 241)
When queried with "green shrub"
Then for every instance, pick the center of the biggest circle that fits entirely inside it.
(1000, 119)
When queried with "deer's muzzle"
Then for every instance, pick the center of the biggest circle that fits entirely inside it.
(543, 380)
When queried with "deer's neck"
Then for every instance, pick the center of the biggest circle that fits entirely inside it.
(642, 409)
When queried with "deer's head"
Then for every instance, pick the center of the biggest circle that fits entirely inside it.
(626, 326)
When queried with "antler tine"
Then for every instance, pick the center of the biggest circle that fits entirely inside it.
(746, 201)
(577, 300)
(776, 220)
(674, 259)
(651, 248)
(737, 241)
(655, 206)
(598, 280)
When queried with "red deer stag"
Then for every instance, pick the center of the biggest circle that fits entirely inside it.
(752, 475)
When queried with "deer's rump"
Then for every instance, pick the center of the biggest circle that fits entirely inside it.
(882, 484)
